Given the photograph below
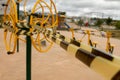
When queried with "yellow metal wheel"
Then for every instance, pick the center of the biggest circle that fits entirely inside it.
(10, 19)
(41, 42)
(43, 16)
(47, 14)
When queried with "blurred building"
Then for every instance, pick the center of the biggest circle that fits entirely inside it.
(61, 19)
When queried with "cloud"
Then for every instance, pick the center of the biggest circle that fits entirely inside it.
(79, 7)
(113, 0)
(84, 6)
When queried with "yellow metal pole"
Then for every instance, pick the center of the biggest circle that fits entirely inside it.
(108, 35)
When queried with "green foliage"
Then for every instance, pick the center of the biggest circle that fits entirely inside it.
(80, 22)
(72, 20)
(99, 22)
(118, 25)
(108, 21)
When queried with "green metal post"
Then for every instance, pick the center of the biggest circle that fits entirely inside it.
(18, 5)
(28, 56)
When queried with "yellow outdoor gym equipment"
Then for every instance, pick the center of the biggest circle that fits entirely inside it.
(10, 18)
(45, 21)
(90, 42)
(109, 46)
(40, 24)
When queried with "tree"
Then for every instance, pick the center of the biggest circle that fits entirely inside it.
(80, 22)
(99, 22)
(72, 20)
(118, 25)
(108, 21)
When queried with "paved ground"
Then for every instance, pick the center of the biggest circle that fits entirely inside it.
(56, 64)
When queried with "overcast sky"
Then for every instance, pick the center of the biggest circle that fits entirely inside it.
(80, 7)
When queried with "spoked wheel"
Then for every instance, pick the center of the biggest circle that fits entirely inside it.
(10, 18)
(42, 16)
(10, 40)
(41, 42)
(41, 13)
(54, 10)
